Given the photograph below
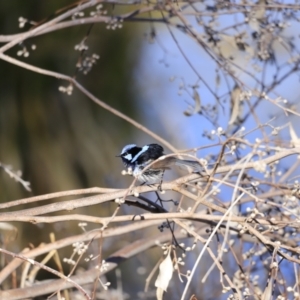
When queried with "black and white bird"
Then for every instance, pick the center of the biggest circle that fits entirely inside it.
(137, 158)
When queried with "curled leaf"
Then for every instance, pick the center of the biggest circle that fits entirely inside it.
(197, 108)
(235, 104)
(294, 138)
(164, 276)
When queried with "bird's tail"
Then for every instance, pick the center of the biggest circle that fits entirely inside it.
(190, 165)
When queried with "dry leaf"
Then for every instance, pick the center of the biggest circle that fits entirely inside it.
(218, 79)
(8, 232)
(197, 108)
(294, 138)
(235, 104)
(6, 226)
(159, 294)
(268, 292)
(164, 276)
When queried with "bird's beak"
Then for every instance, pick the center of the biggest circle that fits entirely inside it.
(118, 155)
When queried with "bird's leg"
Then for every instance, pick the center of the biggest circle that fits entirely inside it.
(167, 224)
(161, 181)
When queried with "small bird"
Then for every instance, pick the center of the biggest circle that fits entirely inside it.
(137, 158)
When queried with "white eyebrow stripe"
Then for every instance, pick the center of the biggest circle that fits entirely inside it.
(144, 149)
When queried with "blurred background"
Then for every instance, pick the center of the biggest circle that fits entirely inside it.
(62, 142)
